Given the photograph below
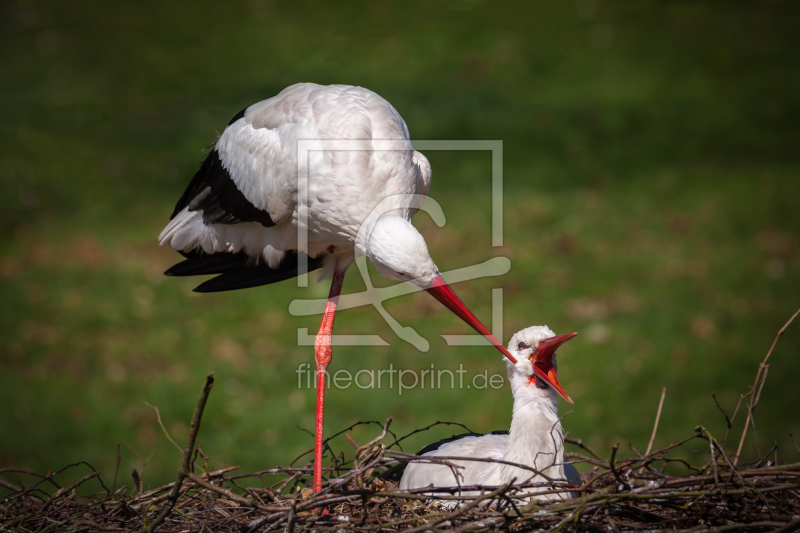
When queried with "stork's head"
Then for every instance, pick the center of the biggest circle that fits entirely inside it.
(399, 252)
(535, 350)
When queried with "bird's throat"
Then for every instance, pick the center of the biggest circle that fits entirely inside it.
(534, 380)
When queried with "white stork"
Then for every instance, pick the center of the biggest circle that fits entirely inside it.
(535, 439)
(240, 214)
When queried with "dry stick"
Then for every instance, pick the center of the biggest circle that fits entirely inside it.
(755, 404)
(766, 455)
(116, 472)
(655, 425)
(142, 459)
(160, 423)
(727, 419)
(581, 444)
(794, 525)
(437, 423)
(735, 412)
(184, 470)
(713, 462)
(795, 443)
(614, 470)
(554, 440)
(755, 384)
(137, 481)
(291, 519)
(658, 416)
(10, 486)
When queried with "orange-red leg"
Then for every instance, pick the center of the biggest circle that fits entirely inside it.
(322, 356)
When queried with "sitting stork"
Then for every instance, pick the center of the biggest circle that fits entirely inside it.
(535, 439)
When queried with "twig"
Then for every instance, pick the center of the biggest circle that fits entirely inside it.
(292, 517)
(581, 444)
(553, 438)
(793, 441)
(164, 429)
(655, 425)
(116, 471)
(735, 411)
(137, 482)
(794, 525)
(437, 423)
(142, 459)
(721, 410)
(10, 486)
(755, 384)
(614, 470)
(184, 470)
(713, 462)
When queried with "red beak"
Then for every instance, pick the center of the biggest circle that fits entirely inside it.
(441, 291)
(542, 359)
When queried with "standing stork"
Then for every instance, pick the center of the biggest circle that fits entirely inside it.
(535, 440)
(241, 213)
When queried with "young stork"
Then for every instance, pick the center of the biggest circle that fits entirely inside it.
(241, 213)
(535, 439)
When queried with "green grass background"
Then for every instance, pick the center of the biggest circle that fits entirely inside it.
(652, 203)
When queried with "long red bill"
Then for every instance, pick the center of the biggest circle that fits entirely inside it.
(441, 291)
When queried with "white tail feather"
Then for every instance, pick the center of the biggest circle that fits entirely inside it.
(180, 220)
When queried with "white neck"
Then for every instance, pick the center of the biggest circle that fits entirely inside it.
(536, 438)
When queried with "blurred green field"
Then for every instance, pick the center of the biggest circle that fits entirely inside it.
(652, 203)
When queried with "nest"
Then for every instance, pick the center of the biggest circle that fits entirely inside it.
(654, 490)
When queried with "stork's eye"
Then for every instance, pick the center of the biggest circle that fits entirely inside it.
(522, 346)
(402, 274)
(542, 341)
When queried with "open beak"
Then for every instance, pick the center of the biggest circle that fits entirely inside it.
(542, 359)
(440, 290)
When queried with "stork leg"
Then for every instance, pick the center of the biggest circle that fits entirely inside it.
(323, 352)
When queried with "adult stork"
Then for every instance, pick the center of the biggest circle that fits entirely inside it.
(241, 213)
(535, 440)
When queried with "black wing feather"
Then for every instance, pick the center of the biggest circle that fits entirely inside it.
(238, 115)
(213, 191)
(238, 270)
(200, 264)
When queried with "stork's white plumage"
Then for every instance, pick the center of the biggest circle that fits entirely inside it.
(240, 215)
(245, 198)
(535, 440)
